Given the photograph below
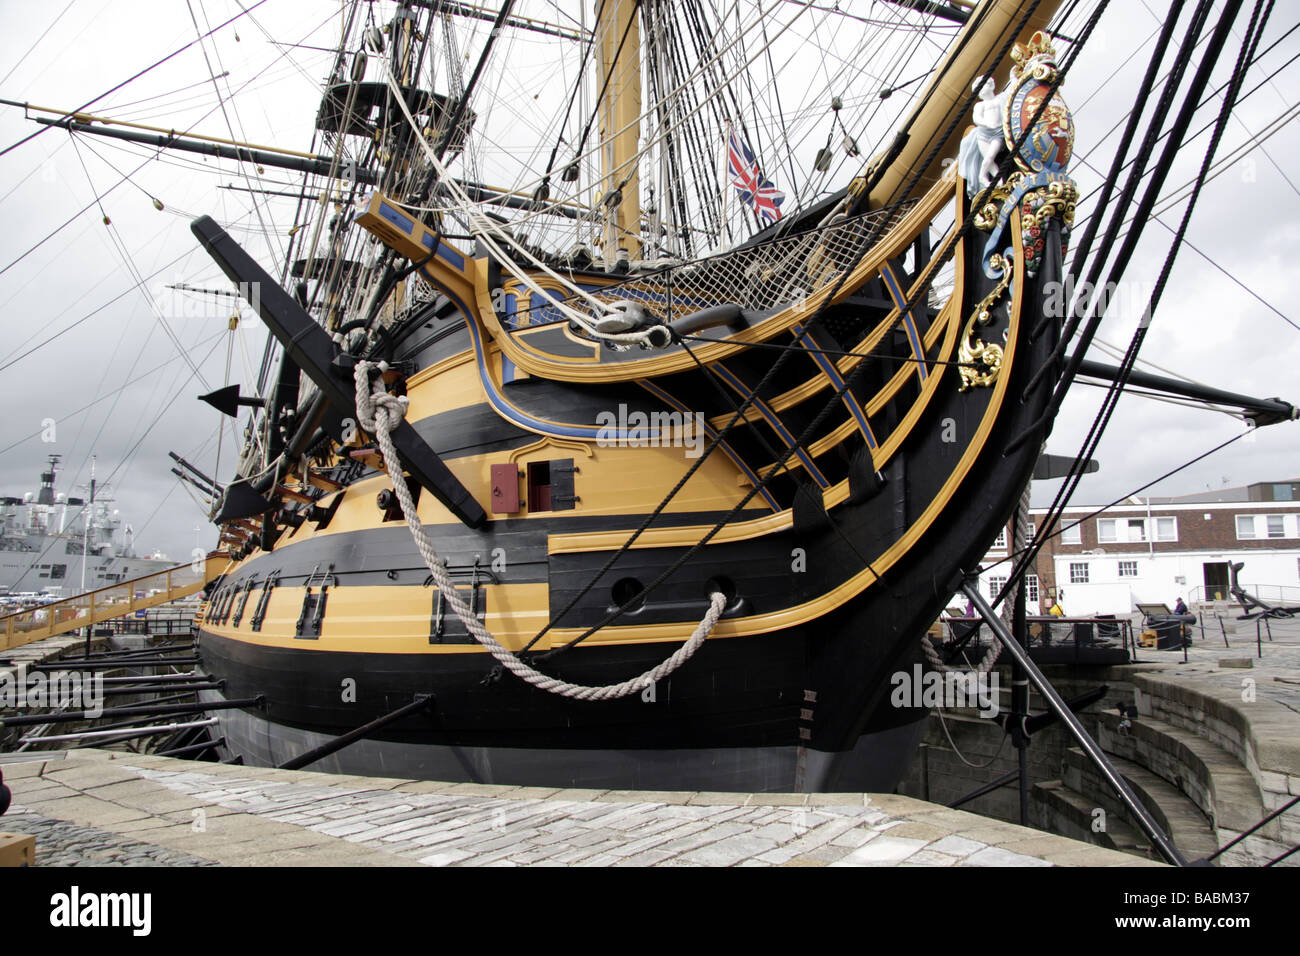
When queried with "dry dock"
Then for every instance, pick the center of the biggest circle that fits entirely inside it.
(99, 808)
(1225, 726)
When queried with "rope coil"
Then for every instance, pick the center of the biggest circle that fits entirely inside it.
(378, 413)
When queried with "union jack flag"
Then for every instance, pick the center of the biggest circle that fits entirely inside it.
(755, 191)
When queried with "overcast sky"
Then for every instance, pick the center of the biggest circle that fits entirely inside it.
(116, 383)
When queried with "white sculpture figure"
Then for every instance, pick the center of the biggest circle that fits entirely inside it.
(978, 157)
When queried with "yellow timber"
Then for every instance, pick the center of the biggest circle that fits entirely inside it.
(971, 56)
(91, 118)
(116, 600)
(619, 56)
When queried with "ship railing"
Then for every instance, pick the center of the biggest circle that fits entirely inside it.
(119, 600)
(1082, 634)
(157, 620)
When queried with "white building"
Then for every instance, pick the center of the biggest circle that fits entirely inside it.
(1156, 550)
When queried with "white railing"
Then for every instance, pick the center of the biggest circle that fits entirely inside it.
(1268, 593)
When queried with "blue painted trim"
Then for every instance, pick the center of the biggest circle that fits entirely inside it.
(850, 400)
(900, 300)
(772, 419)
(523, 419)
(445, 252)
(400, 220)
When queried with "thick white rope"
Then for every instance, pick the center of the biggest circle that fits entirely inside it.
(489, 233)
(983, 667)
(379, 413)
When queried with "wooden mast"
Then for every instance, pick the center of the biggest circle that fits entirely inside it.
(946, 93)
(618, 45)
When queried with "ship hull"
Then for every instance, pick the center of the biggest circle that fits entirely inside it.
(740, 717)
(875, 765)
(763, 706)
(803, 709)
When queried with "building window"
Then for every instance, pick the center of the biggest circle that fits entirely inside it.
(1033, 530)
(1276, 525)
(1106, 530)
(1000, 542)
(1079, 572)
(1282, 493)
(1137, 529)
(1166, 529)
(1031, 587)
(996, 584)
(1072, 534)
(1245, 527)
(1128, 569)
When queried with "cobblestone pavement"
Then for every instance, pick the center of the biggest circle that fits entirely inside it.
(1274, 664)
(261, 816)
(60, 843)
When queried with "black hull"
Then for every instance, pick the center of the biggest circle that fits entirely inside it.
(739, 717)
(875, 765)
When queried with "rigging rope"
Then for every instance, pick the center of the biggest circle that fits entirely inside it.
(489, 232)
(1178, 131)
(131, 79)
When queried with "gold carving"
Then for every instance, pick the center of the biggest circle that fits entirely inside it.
(1037, 57)
(981, 361)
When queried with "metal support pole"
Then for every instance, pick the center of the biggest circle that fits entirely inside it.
(134, 721)
(27, 720)
(421, 702)
(190, 687)
(80, 665)
(157, 649)
(118, 734)
(191, 749)
(1017, 725)
(1241, 836)
(1020, 694)
(189, 678)
(1143, 818)
(1001, 781)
